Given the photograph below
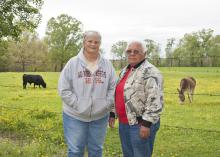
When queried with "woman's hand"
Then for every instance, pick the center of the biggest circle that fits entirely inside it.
(111, 122)
(144, 132)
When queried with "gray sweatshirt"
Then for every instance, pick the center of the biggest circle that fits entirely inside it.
(87, 96)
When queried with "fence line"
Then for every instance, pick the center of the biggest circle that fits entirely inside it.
(18, 108)
(207, 94)
(193, 129)
(188, 61)
(193, 61)
(21, 86)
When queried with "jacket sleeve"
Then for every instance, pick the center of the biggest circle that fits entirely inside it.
(154, 99)
(65, 88)
(111, 89)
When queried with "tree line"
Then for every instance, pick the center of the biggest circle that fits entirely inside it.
(22, 50)
(197, 49)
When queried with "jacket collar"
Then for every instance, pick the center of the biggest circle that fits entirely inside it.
(137, 65)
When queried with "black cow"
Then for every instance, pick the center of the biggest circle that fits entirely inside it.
(36, 79)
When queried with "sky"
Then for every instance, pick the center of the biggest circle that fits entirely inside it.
(127, 20)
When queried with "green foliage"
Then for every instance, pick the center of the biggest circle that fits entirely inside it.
(31, 119)
(3, 55)
(29, 51)
(153, 49)
(198, 48)
(64, 37)
(18, 15)
(214, 51)
(118, 49)
(169, 47)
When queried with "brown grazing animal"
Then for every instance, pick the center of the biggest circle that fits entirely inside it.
(188, 85)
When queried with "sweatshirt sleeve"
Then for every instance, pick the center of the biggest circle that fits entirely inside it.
(154, 89)
(65, 88)
(111, 89)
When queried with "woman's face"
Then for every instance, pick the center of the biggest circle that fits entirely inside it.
(92, 43)
(135, 53)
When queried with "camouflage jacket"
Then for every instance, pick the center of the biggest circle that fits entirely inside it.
(143, 93)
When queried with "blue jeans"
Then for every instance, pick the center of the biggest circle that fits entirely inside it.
(79, 134)
(132, 144)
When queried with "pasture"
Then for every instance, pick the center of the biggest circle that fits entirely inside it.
(31, 119)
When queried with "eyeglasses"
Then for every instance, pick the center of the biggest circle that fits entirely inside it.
(134, 52)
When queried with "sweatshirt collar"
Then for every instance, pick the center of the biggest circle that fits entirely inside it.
(83, 59)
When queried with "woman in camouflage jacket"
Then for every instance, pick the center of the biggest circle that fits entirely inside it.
(139, 102)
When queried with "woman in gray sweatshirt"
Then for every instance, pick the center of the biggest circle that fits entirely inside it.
(86, 86)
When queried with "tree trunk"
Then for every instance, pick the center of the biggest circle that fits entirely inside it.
(23, 66)
(121, 64)
(55, 68)
(61, 66)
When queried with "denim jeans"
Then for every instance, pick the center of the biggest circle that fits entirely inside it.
(132, 144)
(79, 134)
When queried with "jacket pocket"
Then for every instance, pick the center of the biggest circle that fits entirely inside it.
(139, 85)
(83, 106)
(100, 105)
(137, 103)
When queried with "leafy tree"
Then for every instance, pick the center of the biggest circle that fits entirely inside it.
(169, 50)
(190, 49)
(214, 51)
(205, 39)
(153, 48)
(169, 47)
(29, 52)
(118, 50)
(3, 55)
(194, 47)
(64, 37)
(17, 15)
(39, 55)
(153, 51)
(19, 50)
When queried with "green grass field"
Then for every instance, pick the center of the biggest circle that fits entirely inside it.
(31, 119)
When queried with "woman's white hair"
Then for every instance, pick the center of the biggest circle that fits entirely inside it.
(91, 32)
(143, 45)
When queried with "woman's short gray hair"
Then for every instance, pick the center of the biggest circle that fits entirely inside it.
(143, 45)
(91, 32)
